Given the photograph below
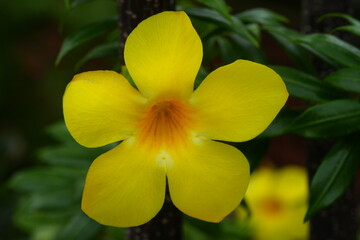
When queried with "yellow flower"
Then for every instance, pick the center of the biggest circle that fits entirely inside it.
(167, 129)
(278, 202)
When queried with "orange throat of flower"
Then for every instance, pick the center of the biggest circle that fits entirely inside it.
(166, 125)
(271, 207)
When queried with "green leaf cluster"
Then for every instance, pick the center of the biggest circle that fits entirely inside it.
(51, 192)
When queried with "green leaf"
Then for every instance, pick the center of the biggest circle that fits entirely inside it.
(45, 178)
(83, 35)
(277, 127)
(212, 230)
(59, 132)
(31, 219)
(351, 20)
(255, 30)
(202, 74)
(75, 3)
(209, 15)
(126, 74)
(285, 37)
(227, 50)
(219, 5)
(239, 28)
(63, 197)
(346, 79)
(79, 227)
(332, 119)
(334, 175)
(246, 50)
(262, 16)
(70, 156)
(233, 47)
(235, 25)
(332, 47)
(254, 150)
(104, 50)
(306, 86)
(350, 28)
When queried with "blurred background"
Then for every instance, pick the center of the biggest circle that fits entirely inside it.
(31, 86)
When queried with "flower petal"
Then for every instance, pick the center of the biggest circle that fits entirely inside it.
(208, 180)
(238, 101)
(124, 187)
(163, 55)
(101, 107)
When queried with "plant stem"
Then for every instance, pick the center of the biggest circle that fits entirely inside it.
(167, 224)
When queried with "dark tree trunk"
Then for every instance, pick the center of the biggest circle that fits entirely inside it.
(167, 224)
(337, 222)
(132, 12)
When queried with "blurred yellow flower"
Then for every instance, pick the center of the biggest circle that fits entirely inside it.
(166, 128)
(277, 200)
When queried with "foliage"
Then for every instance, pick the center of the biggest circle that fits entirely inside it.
(50, 206)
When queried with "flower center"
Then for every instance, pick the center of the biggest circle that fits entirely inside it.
(271, 206)
(165, 125)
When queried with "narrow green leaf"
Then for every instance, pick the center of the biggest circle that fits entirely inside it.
(71, 156)
(332, 119)
(285, 37)
(67, 3)
(44, 178)
(255, 30)
(227, 50)
(262, 16)
(59, 132)
(247, 50)
(306, 86)
(104, 50)
(254, 150)
(83, 35)
(209, 15)
(239, 28)
(332, 47)
(126, 74)
(79, 227)
(66, 196)
(235, 26)
(208, 228)
(200, 76)
(347, 79)
(233, 47)
(219, 5)
(349, 28)
(277, 127)
(351, 20)
(31, 220)
(75, 3)
(332, 63)
(334, 175)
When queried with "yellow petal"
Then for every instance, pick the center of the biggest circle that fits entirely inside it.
(163, 55)
(208, 180)
(292, 184)
(101, 107)
(238, 101)
(124, 187)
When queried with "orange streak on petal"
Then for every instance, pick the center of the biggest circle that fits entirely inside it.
(166, 125)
